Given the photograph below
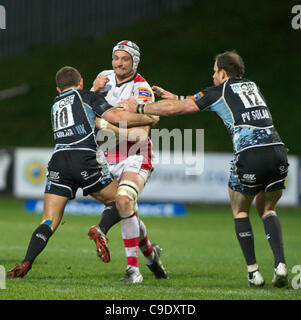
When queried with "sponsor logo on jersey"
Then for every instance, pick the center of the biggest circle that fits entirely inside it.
(144, 93)
(198, 96)
(66, 101)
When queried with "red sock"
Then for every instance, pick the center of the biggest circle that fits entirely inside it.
(145, 246)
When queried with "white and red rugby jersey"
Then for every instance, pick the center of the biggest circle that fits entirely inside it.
(139, 89)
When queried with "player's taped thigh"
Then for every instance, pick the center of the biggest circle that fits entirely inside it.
(129, 189)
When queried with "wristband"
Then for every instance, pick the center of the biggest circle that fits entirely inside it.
(140, 108)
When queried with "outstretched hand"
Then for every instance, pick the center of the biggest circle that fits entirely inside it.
(163, 93)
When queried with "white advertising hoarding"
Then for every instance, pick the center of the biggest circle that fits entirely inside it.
(169, 181)
(30, 171)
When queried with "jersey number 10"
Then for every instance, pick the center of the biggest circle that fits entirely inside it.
(63, 118)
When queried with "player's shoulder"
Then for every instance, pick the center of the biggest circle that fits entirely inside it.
(138, 79)
(84, 92)
(89, 96)
(143, 90)
(233, 81)
(140, 82)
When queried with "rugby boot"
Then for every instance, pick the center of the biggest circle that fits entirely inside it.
(280, 278)
(255, 279)
(131, 275)
(101, 242)
(157, 267)
(19, 271)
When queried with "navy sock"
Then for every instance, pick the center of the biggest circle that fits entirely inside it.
(273, 233)
(245, 238)
(109, 217)
(38, 242)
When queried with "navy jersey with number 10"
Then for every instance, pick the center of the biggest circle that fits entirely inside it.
(73, 115)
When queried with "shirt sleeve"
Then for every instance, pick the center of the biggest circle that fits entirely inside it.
(205, 98)
(143, 93)
(99, 104)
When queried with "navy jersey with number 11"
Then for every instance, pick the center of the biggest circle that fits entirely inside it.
(242, 108)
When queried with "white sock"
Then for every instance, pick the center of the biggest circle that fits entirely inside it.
(130, 236)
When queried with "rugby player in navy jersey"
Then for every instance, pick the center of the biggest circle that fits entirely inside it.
(75, 162)
(260, 163)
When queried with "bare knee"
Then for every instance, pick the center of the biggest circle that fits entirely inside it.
(266, 202)
(124, 205)
(240, 204)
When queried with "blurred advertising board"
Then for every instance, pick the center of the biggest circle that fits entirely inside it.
(205, 182)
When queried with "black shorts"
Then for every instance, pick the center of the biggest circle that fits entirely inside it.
(259, 169)
(73, 169)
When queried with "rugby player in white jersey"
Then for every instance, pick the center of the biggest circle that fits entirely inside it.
(129, 154)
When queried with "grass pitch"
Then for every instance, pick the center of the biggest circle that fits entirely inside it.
(200, 252)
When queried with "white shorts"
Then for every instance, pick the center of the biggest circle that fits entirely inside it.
(131, 164)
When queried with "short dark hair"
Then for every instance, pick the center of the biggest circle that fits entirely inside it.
(67, 77)
(232, 63)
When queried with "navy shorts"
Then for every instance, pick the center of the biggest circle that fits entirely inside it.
(259, 169)
(73, 169)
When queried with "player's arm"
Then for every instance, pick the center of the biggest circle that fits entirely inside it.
(161, 108)
(142, 93)
(116, 115)
(177, 105)
(135, 133)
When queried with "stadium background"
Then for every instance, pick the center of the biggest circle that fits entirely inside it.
(178, 42)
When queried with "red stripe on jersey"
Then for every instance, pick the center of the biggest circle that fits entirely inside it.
(138, 78)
